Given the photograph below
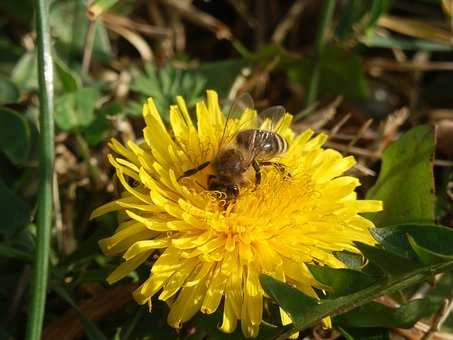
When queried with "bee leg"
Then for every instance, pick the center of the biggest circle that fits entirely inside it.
(280, 167)
(193, 171)
(257, 169)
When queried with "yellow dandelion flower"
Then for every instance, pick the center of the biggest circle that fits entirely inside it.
(209, 253)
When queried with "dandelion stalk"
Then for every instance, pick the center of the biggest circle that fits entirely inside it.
(326, 18)
(46, 161)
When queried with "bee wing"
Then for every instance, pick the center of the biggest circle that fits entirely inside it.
(236, 107)
(235, 110)
(272, 118)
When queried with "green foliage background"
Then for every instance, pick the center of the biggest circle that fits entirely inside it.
(109, 56)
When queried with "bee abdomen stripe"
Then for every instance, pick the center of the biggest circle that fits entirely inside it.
(282, 144)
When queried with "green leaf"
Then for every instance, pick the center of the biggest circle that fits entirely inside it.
(25, 72)
(9, 93)
(165, 83)
(365, 333)
(342, 281)
(11, 252)
(208, 328)
(427, 256)
(388, 262)
(76, 110)
(69, 24)
(377, 315)
(351, 12)
(99, 129)
(14, 136)
(220, 75)
(442, 290)
(341, 73)
(362, 15)
(13, 209)
(378, 8)
(436, 238)
(405, 183)
(292, 300)
(69, 80)
(306, 312)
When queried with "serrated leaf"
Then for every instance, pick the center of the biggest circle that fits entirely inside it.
(164, 84)
(378, 315)
(14, 136)
(389, 263)
(341, 281)
(75, 110)
(405, 183)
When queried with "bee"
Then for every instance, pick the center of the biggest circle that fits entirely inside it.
(252, 147)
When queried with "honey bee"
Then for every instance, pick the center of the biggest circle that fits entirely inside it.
(252, 147)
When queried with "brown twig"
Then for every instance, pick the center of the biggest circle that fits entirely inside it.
(200, 18)
(360, 132)
(288, 22)
(240, 7)
(319, 116)
(150, 30)
(439, 318)
(409, 66)
(88, 46)
(388, 130)
(69, 326)
(338, 126)
(59, 227)
(134, 39)
(374, 155)
(259, 73)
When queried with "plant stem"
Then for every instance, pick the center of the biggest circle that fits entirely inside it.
(326, 18)
(46, 161)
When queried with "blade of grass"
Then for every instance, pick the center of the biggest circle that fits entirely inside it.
(326, 18)
(46, 160)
